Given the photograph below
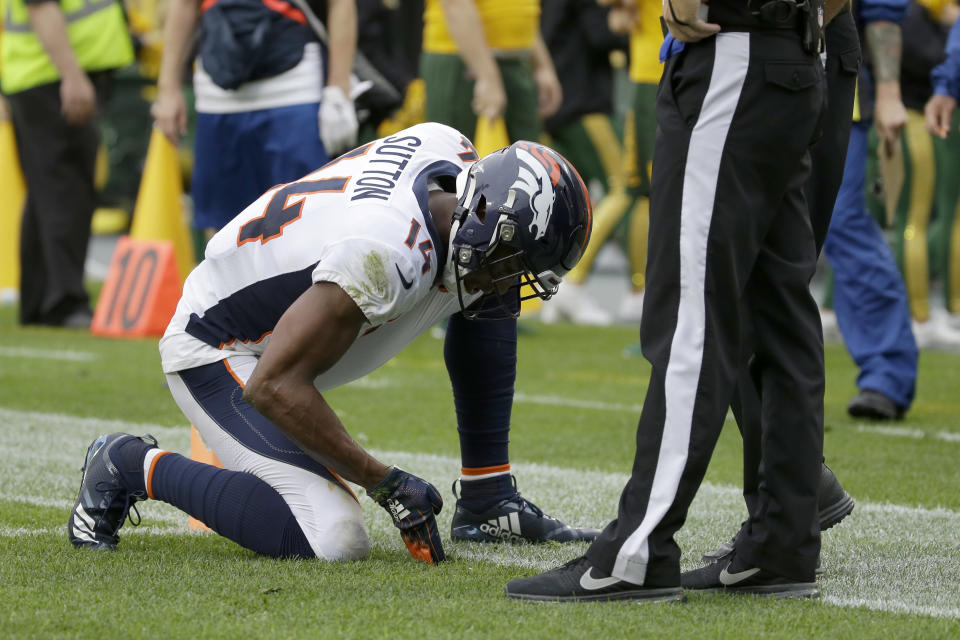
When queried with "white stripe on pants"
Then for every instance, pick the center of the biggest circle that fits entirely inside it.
(731, 60)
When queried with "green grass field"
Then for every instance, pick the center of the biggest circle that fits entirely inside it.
(892, 569)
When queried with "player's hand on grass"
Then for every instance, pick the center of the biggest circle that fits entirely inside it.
(412, 503)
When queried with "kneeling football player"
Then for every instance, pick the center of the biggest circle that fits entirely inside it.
(318, 283)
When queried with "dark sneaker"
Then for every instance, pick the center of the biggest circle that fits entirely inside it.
(724, 550)
(874, 405)
(80, 319)
(514, 519)
(105, 495)
(729, 577)
(833, 502)
(577, 580)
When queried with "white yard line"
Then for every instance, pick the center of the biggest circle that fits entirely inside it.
(48, 354)
(172, 517)
(519, 397)
(18, 532)
(885, 557)
(522, 398)
(557, 401)
(905, 432)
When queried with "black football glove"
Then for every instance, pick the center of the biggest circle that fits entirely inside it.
(413, 503)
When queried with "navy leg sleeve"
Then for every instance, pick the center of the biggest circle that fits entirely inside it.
(481, 359)
(239, 506)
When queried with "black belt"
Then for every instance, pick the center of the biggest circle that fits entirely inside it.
(770, 14)
(806, 16)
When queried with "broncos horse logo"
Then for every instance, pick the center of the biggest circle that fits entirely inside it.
(538, 175)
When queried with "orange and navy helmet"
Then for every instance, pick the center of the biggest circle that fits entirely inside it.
(524, 205)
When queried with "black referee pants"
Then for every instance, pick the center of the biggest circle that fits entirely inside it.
(58, 161)
(828, 157)
(730, 235)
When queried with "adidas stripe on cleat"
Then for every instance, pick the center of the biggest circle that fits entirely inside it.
(514, 519)
(504, 527)
(105, 498)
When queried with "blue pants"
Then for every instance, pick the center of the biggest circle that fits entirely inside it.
(869, 295)
(238, 156)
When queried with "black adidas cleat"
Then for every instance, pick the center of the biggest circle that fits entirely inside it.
(105, 498)
(727, 576)
(514, 519)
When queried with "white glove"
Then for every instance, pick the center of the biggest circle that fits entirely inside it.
(338, 121)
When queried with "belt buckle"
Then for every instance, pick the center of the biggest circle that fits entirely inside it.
(779, 11)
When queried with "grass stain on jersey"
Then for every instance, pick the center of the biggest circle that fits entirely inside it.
(375, 277)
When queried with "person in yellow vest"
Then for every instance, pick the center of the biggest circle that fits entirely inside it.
(486, 58)
(55, 59)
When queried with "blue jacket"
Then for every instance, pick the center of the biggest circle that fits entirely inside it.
(946, 76)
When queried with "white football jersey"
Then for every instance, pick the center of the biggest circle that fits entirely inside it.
(360, 221)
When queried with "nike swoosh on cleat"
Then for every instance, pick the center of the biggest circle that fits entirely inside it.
(590, 583)
(406, 283)
(730, 579)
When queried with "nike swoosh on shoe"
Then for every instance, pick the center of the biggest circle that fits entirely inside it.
(590, 583)
(730, 579)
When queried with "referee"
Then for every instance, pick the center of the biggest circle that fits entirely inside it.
(730, 235)
(827, 158)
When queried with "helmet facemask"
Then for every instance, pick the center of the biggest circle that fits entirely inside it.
(500, 269)
(522, 222)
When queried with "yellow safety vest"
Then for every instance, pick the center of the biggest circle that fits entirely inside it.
(97, 32)
(507, 24)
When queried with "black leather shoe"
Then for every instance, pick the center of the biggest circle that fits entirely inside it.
(873, 405)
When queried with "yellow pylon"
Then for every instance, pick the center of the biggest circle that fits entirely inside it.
(491, 135)
(12, 194)
(158, 214)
